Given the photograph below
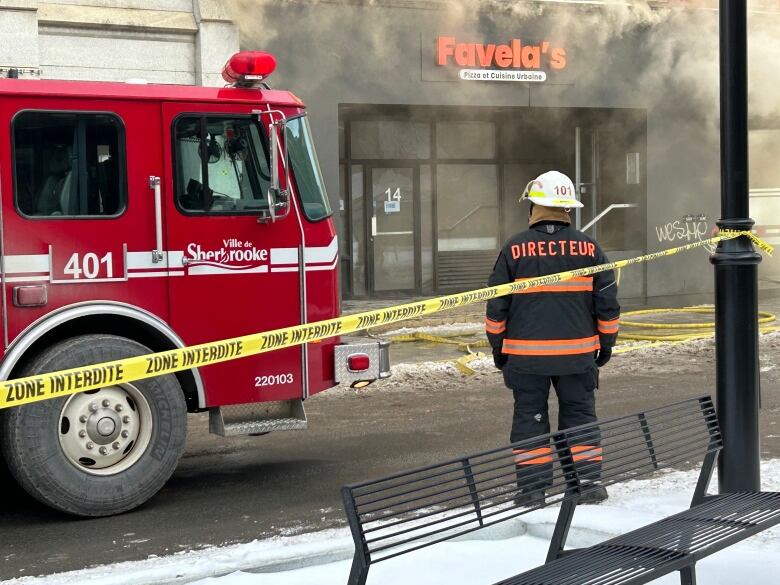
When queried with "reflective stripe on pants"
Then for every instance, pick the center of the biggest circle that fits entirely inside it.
(538, 456)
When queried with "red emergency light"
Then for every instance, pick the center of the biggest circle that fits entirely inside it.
(247, 68)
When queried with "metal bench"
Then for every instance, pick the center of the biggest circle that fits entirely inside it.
(396, 515)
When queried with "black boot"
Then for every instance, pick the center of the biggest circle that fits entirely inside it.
(593, 494)
(530, 499)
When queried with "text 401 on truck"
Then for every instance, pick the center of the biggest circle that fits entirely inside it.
(139, 218)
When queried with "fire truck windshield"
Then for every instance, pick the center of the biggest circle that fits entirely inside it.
(306, 168)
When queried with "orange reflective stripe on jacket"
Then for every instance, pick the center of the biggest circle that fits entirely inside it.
(608, 327)
(533, 456)
(495, 327)
(576, 284)
(587, 453)
(551, 346)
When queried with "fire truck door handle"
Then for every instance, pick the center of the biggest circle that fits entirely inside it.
(157, 253)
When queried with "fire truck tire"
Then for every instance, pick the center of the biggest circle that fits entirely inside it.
(96, 453)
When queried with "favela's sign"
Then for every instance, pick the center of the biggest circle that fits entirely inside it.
(514, 61)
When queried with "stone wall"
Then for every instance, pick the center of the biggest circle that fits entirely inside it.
(164, 41)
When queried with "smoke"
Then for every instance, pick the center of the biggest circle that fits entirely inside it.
(680, 56)
(621, 53)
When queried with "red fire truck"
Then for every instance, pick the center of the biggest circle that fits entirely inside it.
(139, 218)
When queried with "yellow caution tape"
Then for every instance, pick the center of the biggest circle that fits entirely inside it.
(62, 383)
(646, 340)
(694, 332)
(454, 338)
(759, 243)
(462, 363)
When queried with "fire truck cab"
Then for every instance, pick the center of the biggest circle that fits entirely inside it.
(138, 218)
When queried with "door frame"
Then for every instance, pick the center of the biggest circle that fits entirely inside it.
(368, 208)
(593, 183)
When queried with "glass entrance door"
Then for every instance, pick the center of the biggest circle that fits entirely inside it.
(609, 179)
(393, 235)
(586, 166)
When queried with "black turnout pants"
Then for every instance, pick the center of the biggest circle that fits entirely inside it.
(536, 464)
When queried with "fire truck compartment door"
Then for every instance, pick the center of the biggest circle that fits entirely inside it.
(79, 224)
(228, 271)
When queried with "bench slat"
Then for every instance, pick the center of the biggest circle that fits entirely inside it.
(503, 493)
(704, 401)
(496, 516)
(503, 490)
(655, 550)
(637, 445)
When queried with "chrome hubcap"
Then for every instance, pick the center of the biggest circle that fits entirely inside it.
(107, 431)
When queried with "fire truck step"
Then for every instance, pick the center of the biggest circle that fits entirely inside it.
(257, 418)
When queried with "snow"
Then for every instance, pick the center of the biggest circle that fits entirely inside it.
(485, 557)
(486, 563)
(465, 328)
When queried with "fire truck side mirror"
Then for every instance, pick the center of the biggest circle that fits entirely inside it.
(273, 188)
(278, 194)
(274, 146)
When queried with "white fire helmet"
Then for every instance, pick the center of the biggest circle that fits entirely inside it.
(552, 189)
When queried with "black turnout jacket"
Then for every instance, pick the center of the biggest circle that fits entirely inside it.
(553, 329)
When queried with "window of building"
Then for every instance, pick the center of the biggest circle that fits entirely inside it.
(69, 164)
(359, 237)
(765, 195)
(221, 165)
(469, 220)
(390, 139)
(426, 229)
(465, 140)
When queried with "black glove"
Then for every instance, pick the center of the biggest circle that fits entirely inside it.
(603, 356)
(499, 359)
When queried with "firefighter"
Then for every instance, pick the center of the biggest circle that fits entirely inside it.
(557, 334)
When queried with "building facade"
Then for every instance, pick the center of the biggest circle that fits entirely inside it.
(430, 117)
(161, 41)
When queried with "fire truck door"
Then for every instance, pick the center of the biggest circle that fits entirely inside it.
(79, 225)
(221, 257)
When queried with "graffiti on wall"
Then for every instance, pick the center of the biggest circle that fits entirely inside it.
(689, 228)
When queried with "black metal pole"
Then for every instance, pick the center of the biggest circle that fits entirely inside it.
(736, 269)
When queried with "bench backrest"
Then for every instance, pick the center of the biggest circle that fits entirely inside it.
(410, 510)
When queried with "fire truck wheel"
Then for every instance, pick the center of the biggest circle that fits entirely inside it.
(96, 453)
